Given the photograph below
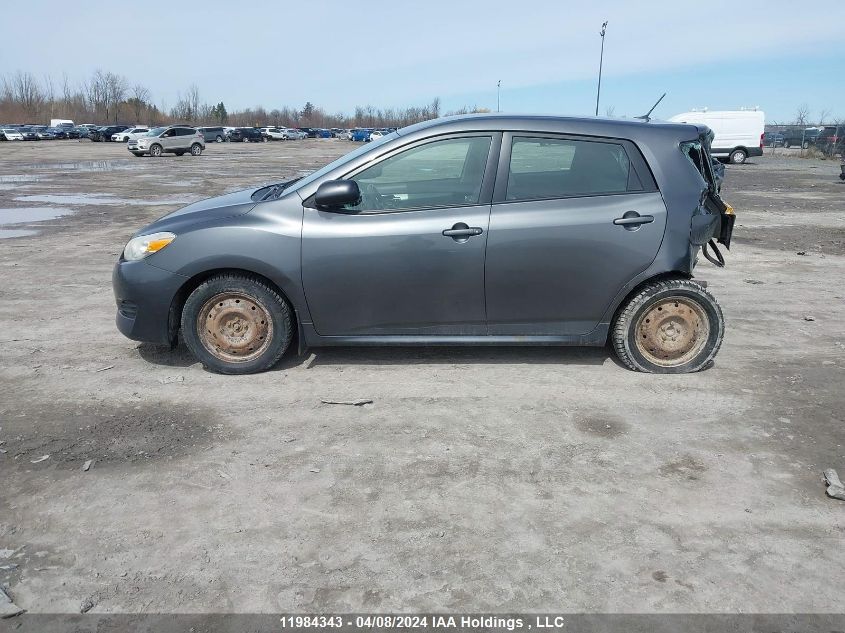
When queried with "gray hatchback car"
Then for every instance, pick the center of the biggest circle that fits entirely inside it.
(470, 230)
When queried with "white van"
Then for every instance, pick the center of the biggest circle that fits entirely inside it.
(61, 123)
(738, 134)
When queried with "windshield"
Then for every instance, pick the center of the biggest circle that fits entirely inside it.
(344, 159)
(156, 131)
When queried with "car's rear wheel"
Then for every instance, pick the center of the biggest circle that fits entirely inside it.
(674, 326)
(236, 324)
(806, 145)
(786, 144)
(196, 149)
(738, 156)
(155, 150)
(219, 139)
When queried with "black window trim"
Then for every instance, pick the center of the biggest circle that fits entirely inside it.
(487, 183)
(638, 164)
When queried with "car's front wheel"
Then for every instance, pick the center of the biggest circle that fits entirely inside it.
(155, 150)
(674, 326)
(236, 324)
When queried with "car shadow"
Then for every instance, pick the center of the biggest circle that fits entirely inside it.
(166, 356)
(516, 355)
(392, 355)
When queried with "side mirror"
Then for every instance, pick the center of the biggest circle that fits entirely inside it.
(337, 193)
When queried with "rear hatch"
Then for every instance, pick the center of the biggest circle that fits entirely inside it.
(714, 218)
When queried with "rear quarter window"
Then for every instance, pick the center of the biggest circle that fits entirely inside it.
(543, 168)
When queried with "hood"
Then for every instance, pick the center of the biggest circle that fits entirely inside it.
(230, 205)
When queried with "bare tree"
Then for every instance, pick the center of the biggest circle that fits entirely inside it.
(802, 115)
(140, 96)
(26, 92)
(116, 89)
(823, 114)
(610, 110)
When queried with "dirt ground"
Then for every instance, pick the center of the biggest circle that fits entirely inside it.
(513, 479)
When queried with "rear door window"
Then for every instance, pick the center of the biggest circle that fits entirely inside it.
(543, 168)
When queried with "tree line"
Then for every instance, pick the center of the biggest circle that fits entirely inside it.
(110, 98)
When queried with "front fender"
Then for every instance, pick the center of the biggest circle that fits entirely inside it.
(266, 241)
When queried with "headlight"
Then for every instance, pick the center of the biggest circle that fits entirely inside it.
(144, 245)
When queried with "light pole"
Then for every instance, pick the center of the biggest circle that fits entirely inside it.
(498, 93)
(601, 59)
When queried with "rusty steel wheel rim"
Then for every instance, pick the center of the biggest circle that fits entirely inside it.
(672, 331)
(234, 327)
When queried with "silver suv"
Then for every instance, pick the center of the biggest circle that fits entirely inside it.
(176, 139)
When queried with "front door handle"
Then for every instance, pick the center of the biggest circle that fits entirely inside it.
(462, 231)
(632, 220)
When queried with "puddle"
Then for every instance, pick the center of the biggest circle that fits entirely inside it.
(7, 233)
(87, 166)
(21, 215)
(95, 199)
(21, 178)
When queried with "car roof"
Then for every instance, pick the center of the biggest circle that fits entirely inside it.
(589, 126)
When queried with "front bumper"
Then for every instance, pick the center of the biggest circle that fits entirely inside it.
(144, 295)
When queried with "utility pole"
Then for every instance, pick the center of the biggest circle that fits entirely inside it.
(601, 60)
(498, 93)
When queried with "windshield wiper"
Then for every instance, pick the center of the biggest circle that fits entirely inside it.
(275, 190)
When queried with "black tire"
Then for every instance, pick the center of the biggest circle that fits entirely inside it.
(196, 149)
(250, 289)
(156, 150)
(786, 144)
(219, 139)
(738, 156)
(806, 145)
(629, 337)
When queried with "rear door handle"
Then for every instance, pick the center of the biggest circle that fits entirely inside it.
(462, 230)
(632, 218)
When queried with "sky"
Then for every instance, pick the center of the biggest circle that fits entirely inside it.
(719, 54)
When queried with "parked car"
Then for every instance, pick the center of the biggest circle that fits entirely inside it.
(738, 133)
(830, 138)
(129, 134)
(245, 135)
(105, 133)
(361, 135)
(773, 139)
(273, 134)
(213, 134)
(172, 139)
(377, 134)
(44, 133)
(291, 134)
(468, 230)
(29, 133)
(10, 134)
(309, 132)
(801, 138)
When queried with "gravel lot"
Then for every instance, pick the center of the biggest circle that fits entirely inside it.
(513, 479)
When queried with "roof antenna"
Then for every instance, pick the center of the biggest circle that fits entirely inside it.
(647, 116)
